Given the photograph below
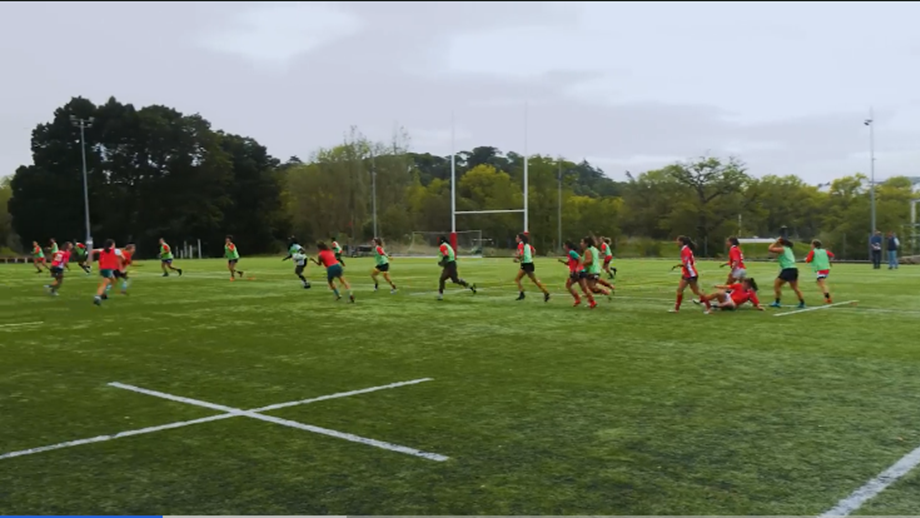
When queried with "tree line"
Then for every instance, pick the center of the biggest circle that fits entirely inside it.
(155, 172)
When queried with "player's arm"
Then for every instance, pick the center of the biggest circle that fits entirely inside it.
(830, 255)
(756, 302)
(722, 286)
(287, 257)
(810, 257)
(776, 247)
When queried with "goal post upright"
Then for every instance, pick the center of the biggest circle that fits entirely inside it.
(453, 184)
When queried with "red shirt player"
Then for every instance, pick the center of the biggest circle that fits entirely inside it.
(735, 261)
(731, 296)
(689, 274)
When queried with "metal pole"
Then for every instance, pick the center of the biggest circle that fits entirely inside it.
(453, 178)
(559, 209)
(374, 192)
(871, 123)
(89, 237)
(526, 161)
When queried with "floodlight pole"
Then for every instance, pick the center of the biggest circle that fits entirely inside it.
(83, 124)
(871, 123)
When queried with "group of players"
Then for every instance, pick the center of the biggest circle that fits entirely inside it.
(587, 262)
(739, 288)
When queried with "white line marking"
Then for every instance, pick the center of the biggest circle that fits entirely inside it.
(875, 486)
(180, 424)
(22, 324)
(285, 422)
(119, 435)
(340, 395)
(814, 308)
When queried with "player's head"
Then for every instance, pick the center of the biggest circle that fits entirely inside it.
(522, 238)
(587, 241)
(378, 241)
(570, 245)
(750, 283)
(292, 241)
(332, 238)
(34, 243)
(51, 241)
(68, 245)
(229, 239)
(686, 241)
(109, 244)
(162, 241)
(607, 240)
(732, 241)
(785, 242)
(322, 246)
(442, 240)
(130, 248)
(816, 244)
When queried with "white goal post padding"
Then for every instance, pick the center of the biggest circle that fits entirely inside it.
(425, 244)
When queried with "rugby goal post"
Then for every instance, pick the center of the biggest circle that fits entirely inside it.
(454, 236)
(467, 243)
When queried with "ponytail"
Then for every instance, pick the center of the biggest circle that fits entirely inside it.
(686, 241)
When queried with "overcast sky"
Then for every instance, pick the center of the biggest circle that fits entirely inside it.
(784, 86)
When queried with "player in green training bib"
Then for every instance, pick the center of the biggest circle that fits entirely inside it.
(525, 253)
(166, 259)
(381, 265)
(38, 257)
(788, 271)
(591, 259)
(448, 264)
(232, 253)
(337, 250)
(299, 256)
(820, 260)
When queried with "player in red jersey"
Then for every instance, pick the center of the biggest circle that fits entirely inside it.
(58, 261)
(689, 275)
(110, 261)
(735, 261)
(576, 275)
(732, 296)
(122, 273)
(326, 257)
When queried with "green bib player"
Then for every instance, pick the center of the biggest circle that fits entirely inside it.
(448, 264)
(337, 250)
(788, 271)
(232, 253)
(525, 253)
(166, 259)
(820, 260)
(381, 265)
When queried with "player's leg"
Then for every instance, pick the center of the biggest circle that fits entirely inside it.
(681, 287)
(344, 282)
(517, 281)
(583, 283)
(778, 290)
(540, 285)
(822, 285)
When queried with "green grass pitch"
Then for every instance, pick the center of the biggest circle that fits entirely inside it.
(538, 408)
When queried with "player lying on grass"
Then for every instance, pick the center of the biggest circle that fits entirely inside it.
(732, 296)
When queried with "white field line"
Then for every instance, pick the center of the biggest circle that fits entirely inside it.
(815, 308)
(180, 424)
(875, 486)
(21, 324)
(286, 422)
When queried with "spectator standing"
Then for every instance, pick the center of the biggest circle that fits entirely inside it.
(875, 249)
(893, 245)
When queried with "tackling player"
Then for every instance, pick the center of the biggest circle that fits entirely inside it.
(732, 296)
(299, 256)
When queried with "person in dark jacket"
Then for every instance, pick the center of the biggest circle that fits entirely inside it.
(893, 245)
(875, 249)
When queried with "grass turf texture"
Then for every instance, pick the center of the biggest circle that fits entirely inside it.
(542, 408)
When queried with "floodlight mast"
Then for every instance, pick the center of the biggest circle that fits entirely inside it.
(82, 123)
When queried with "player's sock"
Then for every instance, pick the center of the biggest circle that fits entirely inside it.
(776, 302)
(335, 291)
(375, 286)
(680, 300)
(108, 287)
(180, 271)
(827, 296)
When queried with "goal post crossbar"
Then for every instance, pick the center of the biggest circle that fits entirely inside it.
(498, 211)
